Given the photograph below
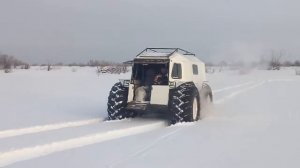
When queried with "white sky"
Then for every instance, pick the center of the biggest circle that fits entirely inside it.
(116, 30)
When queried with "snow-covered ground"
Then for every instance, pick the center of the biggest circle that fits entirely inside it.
(55, 119)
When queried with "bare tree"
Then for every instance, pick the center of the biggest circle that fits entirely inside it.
(9, 62)
(49, 67)
(222, 64)
(274, 63)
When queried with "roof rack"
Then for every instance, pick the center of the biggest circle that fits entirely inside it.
(167, 52)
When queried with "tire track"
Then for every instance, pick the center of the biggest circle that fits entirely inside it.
(238, 92)
(232, 87)
(57, 126)
(143, 150)
(17, 155)
(48, 127)
(10, 157)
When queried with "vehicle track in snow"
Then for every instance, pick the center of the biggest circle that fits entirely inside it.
(48, 127)
(26, 153)
(178, 127)
(144, 149)
(238, 92)
(232, 87)
(35, 151)
(56, 126)
(242, 90)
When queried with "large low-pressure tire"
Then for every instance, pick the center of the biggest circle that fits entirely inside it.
(184, 105)
(117, 102)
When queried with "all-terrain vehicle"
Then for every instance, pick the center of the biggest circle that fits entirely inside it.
(170, 80)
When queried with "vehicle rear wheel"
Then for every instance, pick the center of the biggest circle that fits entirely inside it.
(117, 102)
(184, 103)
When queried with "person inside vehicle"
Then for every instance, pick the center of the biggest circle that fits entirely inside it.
(162, 77)
(143, 93)
(150, 74)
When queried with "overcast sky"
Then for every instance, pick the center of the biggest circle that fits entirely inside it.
(116, 30)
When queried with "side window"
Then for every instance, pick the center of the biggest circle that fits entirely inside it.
(195, 69)
(176, 71)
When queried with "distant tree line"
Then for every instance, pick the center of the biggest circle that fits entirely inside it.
(273, 62)
(290, 63)
(8, 62)
(90, 63)
(101, 66)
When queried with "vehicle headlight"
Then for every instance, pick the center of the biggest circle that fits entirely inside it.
(126, 83)
(172, 85)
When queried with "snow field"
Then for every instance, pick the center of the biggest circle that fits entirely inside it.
(10, 157)
(251, 113)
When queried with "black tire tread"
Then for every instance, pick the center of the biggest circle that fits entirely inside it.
(181, 103)
(117, 102)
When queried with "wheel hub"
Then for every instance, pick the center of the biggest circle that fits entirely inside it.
(195, 109)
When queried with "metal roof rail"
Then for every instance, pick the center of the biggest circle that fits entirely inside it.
(167, 51)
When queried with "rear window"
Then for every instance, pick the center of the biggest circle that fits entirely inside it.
(195, 69)
(176, 71)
